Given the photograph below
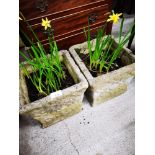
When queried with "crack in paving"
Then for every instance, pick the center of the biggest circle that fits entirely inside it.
(70, 139)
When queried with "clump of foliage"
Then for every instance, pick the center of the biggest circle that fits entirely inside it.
(43, 66)
(103, 55)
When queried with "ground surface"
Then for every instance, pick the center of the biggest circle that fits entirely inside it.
(107, 129)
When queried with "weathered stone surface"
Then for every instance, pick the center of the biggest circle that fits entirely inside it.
(58, 105)
(106, 86)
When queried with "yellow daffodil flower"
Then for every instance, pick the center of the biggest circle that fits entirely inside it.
(46, 23)
(114, 17)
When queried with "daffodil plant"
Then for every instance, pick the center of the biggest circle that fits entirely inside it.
(46, 23)
(114, 17)
(103, 56)
(42, 66)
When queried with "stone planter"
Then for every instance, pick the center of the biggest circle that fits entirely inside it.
(58, 105)
(105, 86)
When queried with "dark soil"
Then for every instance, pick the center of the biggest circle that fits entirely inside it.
(95, 72)
(35, 95)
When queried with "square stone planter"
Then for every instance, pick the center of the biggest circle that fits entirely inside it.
(105, 86)
(58, 105)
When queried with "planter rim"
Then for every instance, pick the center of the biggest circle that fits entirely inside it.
(82, 84)
(91, 80)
